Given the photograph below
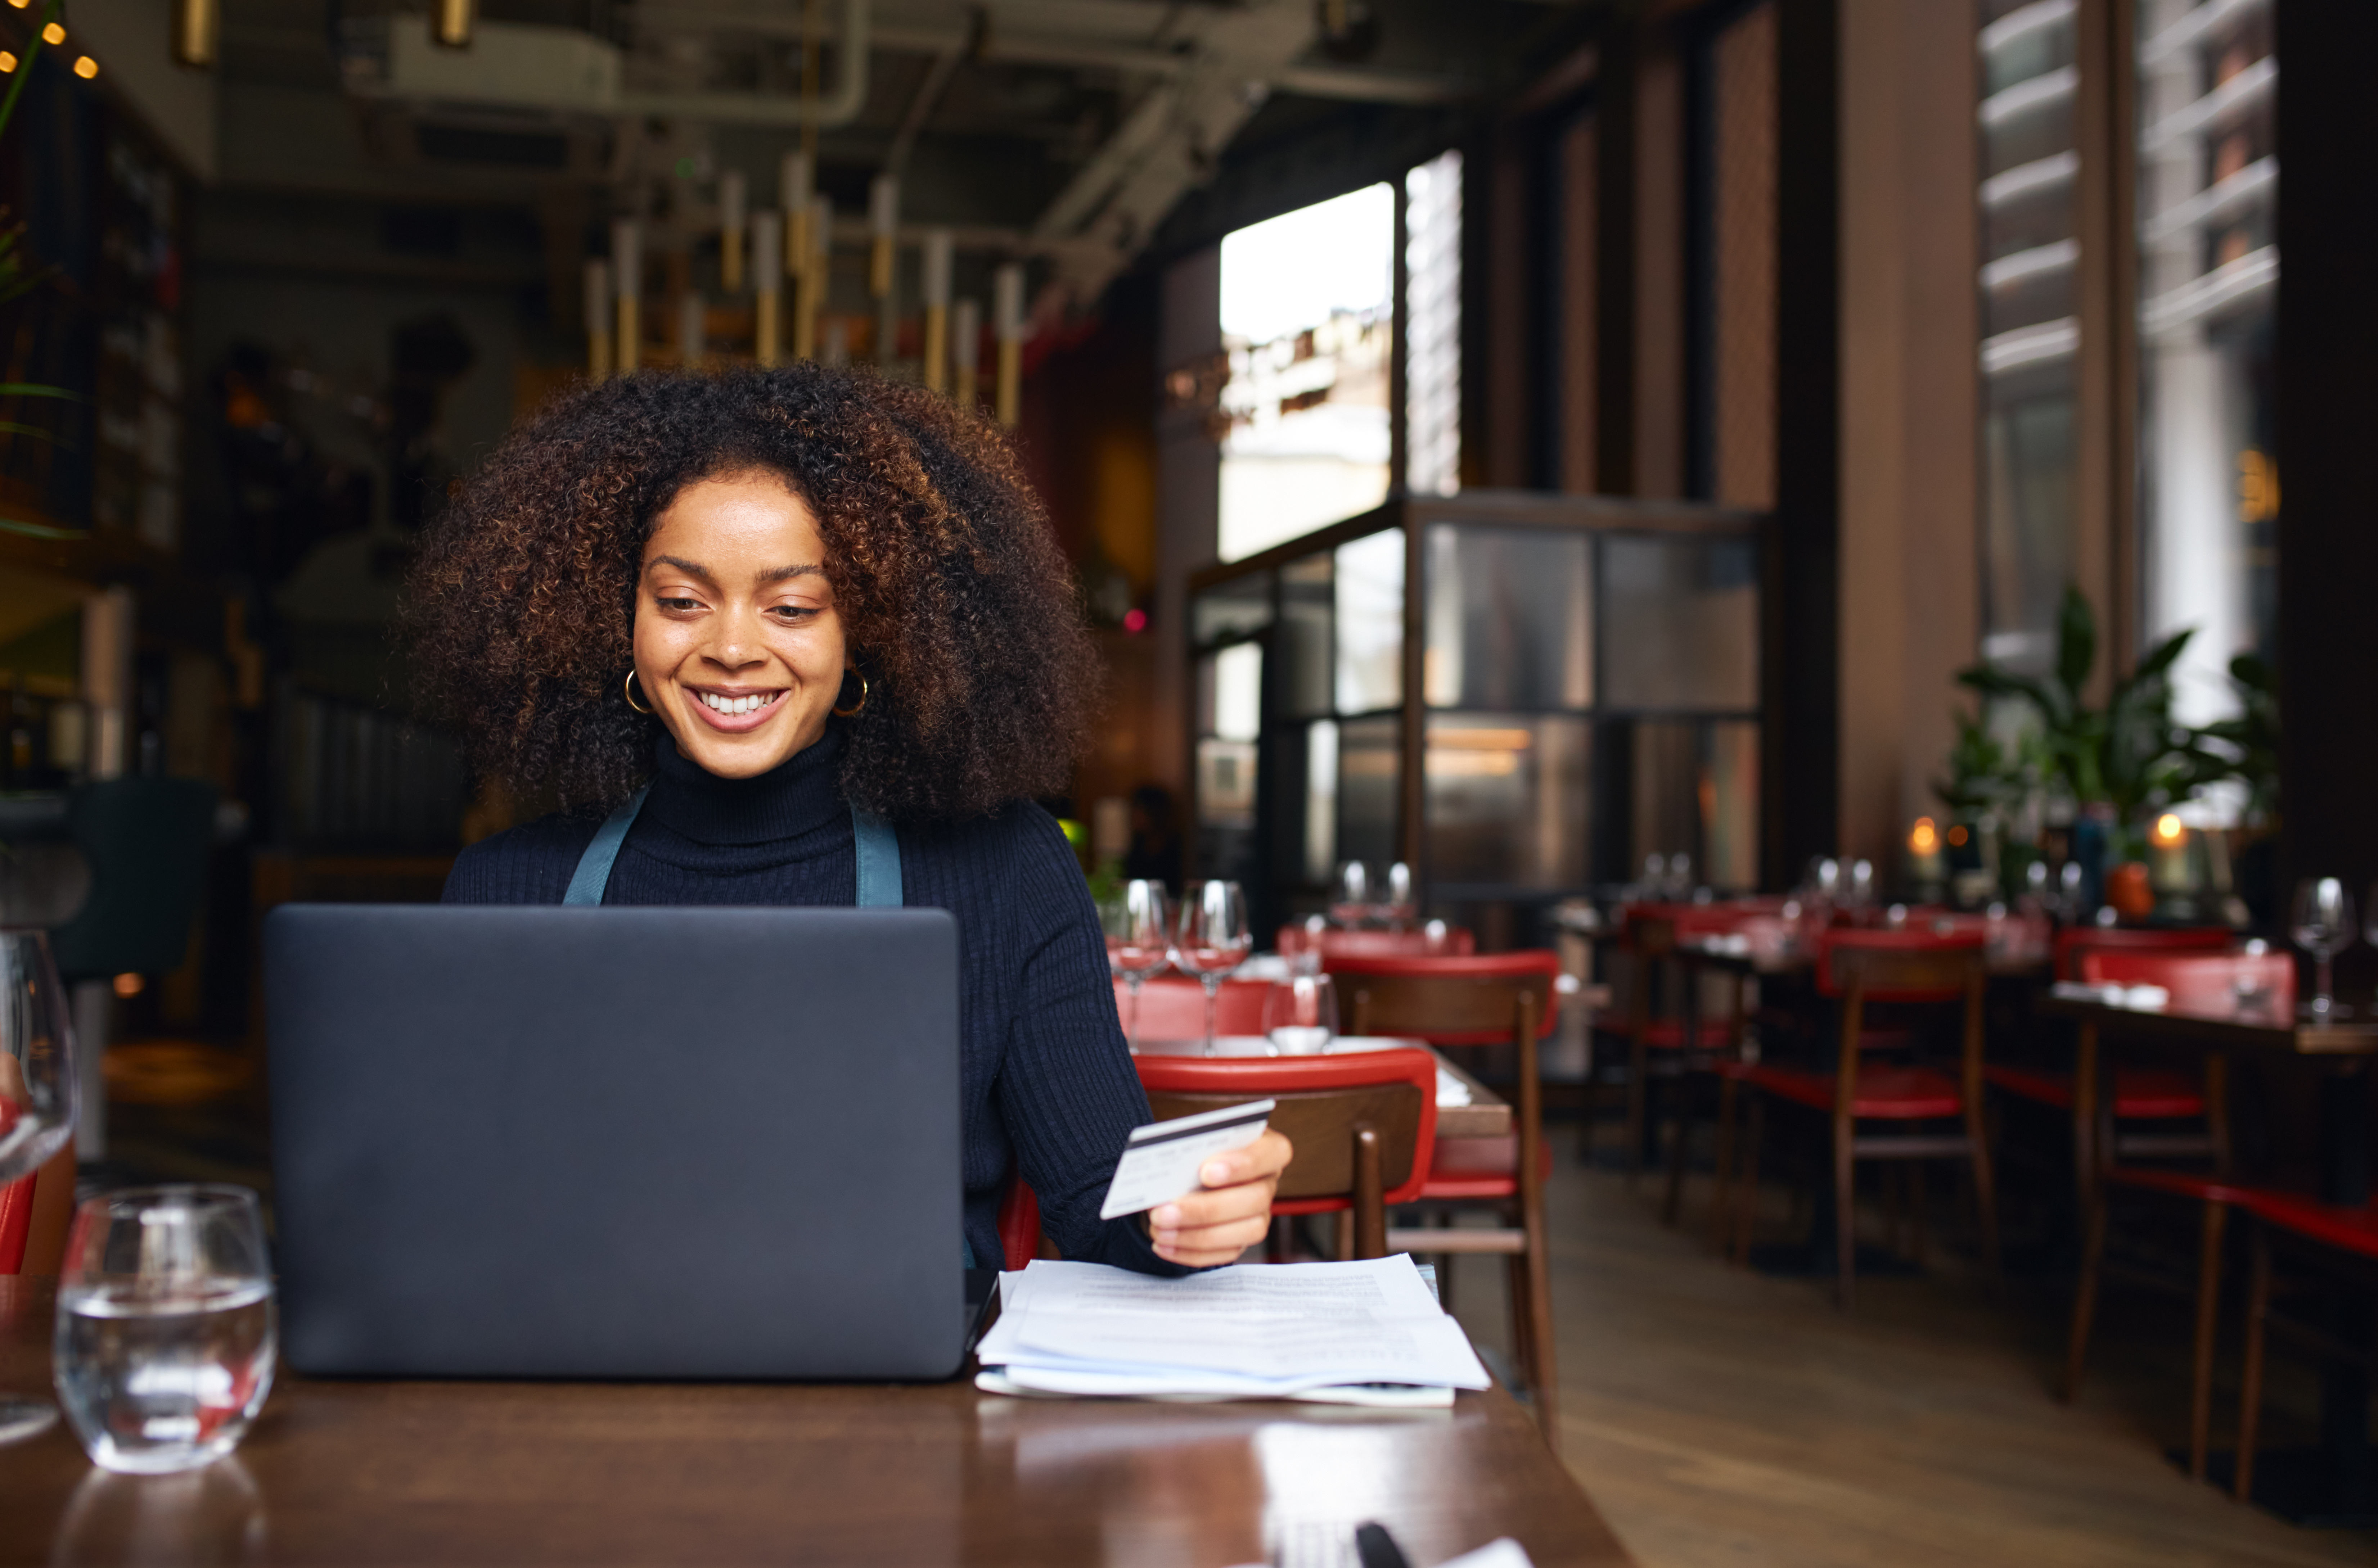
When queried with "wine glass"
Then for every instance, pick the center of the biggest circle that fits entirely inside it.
(37, 1096)
(1211, 940)
(1397, 907)
(1300, 1015)
(1139, 940)
(2323, 926)
(1352, 904)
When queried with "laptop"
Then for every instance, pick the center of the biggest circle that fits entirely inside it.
(604, 1142)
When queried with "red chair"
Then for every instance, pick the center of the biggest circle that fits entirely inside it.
(1294, 938)
(2336, 1240)
(2205, 981)
(1673, 1045)
(2139, 1094)
(34, 1215)
(1895, 968)
(1363, 1125)
(1497, 999)
(1173, 1007)
(2074, 942)
(1019, 1223)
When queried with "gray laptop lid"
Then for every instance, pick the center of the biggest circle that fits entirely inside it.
(537, 1141)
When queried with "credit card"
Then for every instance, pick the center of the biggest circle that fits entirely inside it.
(1159, 1161)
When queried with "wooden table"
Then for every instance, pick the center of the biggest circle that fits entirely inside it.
(2340, 1478)
(1487, 1115)
(357, 1472)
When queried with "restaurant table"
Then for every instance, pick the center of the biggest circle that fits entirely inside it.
(1487, 1115)
(2338, 1482)
(353, 1471)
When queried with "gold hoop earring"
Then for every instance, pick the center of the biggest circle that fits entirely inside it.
(855, 709)
(629, 687)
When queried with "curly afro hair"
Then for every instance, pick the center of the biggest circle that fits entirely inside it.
(954, 597)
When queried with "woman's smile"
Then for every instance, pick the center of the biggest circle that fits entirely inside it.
(737, 712)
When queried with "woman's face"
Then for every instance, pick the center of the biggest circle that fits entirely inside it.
(739, 648)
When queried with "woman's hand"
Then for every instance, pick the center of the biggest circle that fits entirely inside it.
(1230, 1214)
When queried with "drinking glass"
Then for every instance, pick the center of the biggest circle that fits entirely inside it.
(1397, 907)
(1351, 906)
(2323, 926)
(37, 1096)
(1139, 940)
(1861, 892)
(166, 1334)
(1212, 940)
(1300, 1015)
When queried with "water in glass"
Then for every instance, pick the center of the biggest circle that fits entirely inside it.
(166, 1335)
(1301, 1015)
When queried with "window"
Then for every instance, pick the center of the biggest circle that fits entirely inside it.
(2208, 281)
(2031, 325)
(1433, 321)
(1307, 326)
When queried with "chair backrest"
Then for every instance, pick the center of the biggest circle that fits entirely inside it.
(2199, 981)
(2075, 940)
(147, 842)
(1446, 1001)
(1898, 965)
(1457, 942)
(1322, 1101)
(1173, 1007)
(1019, 1223)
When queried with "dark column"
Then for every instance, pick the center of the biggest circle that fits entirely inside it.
(2327, 420)
(1614, 260)
(1801, 767)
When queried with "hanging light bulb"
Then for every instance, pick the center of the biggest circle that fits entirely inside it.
(451, 21)
(197, 26)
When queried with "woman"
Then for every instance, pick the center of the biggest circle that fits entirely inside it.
(816, 618)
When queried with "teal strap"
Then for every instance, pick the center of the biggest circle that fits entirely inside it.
(879, 856)
(879, 860)
(594, 873)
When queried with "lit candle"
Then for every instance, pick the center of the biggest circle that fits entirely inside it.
(1924, 851)
(2168, 840)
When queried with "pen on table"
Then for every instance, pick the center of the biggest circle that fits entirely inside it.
(1374, 1548)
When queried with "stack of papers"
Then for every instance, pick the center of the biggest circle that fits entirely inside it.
(1368, 1333)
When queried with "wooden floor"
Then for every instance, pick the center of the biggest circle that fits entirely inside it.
(1719, 1417)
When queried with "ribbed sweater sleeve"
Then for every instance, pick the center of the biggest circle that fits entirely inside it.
(1067, 1092)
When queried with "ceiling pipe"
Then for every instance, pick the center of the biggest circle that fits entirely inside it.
(838, 108)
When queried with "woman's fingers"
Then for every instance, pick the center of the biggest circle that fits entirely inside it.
(1232, 1214)
(1267, 1156)
(1207, 1246)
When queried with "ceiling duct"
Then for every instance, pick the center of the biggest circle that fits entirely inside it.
(562, 70)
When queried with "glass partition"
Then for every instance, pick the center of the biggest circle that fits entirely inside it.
(1590, 694)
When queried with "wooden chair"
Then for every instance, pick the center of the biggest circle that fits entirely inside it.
(1895, 968)
(2205, 980)
(1363, 1125)
(1667, 1042)
(2144, 1098)
(2334, 1240)
(1502, 999)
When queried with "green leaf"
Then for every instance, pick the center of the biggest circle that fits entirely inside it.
(34, 389)
(2076, 642)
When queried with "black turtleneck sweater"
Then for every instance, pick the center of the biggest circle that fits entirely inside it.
(1048, 1085)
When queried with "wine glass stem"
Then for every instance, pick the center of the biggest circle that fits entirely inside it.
(2321, 1001)
(1213, 983)
(1131, 1041)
